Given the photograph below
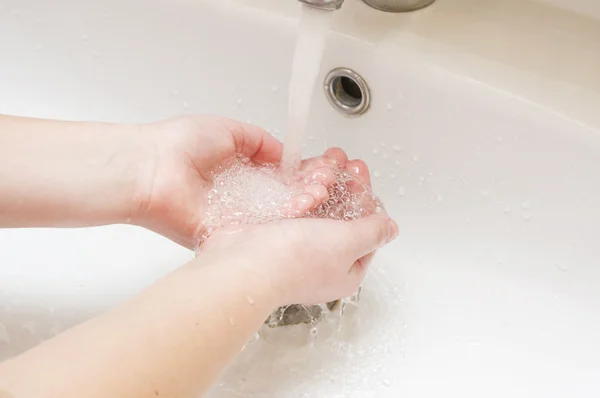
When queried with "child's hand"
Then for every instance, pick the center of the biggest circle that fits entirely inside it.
(305, 261)
(308, 261)
(181, 153)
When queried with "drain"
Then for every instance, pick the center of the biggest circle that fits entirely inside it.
(347, 92)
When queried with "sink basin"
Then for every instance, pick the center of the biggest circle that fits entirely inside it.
(483, 139)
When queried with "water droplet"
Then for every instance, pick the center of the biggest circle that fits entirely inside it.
(255, 337)
(4, 336)
(386, 156)
(397, 163)
(377, 173)
(416, 158)
(463, 180)
(15, 12)
(249, 121)
(85, 36)
(527, 216)
(276, 130)
(383, 144)
(185, 104)
(80, 286)
(402, 191)
(314, 331)
(499, 138)
(507, 210)
(275, 89)
(485, 193)
(392, 175)
(30, 327)
(231, 321)
(421, 178)
(239, 101)
(562, 267)
(389, 106)
(250, 300)
(397, 148)
(526, 205)
(312, 138)
(387, 382)
(38, 47)
(440, 198)
(375, 151)
(176, 92)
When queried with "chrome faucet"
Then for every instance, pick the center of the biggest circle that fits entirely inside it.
(324, 4)
(384, 5)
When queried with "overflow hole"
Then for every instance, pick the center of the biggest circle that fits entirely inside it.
(347, 91)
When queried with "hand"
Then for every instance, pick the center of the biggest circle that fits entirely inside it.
(171, 197)
(171, 192)
(305, 261)
(308, 261)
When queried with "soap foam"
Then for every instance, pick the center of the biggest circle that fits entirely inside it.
(246, 193)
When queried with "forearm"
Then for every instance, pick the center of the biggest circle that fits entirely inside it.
(171, 341)
(67, 174)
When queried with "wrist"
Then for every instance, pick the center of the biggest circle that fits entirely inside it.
(129, 162)
(242, 275)
(144, 154)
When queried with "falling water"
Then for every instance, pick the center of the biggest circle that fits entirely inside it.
(312, 32)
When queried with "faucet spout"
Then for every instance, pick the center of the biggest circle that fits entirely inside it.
(330, 5)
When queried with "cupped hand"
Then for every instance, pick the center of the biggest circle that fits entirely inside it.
(305, 261)
(173, 182)
(172, 186)
(308, 260)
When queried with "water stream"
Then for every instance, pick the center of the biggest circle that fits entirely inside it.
(310, 44)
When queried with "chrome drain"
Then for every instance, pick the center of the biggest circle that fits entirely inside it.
(347, 92)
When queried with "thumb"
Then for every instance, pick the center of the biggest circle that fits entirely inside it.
(368, 234)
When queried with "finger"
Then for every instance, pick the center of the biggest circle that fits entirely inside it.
(359, 169)
(362, 264)
(323, 175)
(368, 234)
(338, 155)
(362, 185)
(300, 204)
(358, 271)
(254, 142)
(319, 192)
(317, 162)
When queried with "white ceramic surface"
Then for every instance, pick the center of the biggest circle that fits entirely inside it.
(483, 139)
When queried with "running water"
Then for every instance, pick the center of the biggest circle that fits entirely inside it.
(313, 28)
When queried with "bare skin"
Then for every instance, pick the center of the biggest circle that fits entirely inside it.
(175, 338)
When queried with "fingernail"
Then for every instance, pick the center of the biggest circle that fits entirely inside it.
(392, 230)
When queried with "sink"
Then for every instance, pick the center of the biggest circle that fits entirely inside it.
(483, 139)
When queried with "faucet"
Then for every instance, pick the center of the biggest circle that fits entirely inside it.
(383, 5)
(324, 4)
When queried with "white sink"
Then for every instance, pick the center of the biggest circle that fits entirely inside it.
(483, 139)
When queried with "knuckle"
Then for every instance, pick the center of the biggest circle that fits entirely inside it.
(381, 230)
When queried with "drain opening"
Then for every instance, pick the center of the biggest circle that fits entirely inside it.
(347, 91)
